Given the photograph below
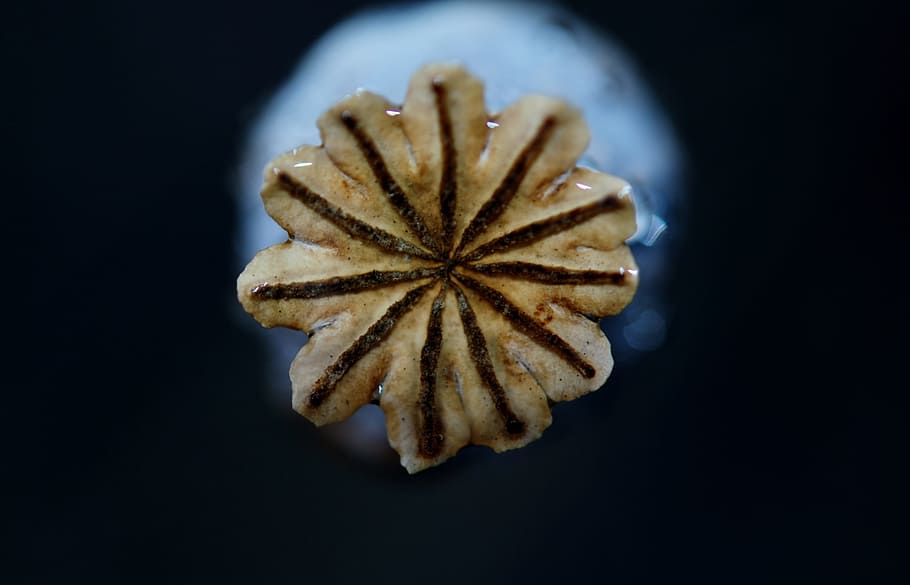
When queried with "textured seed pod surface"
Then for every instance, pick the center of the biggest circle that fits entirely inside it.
(448, 263)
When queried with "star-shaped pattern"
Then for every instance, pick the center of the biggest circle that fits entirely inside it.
(447, 264)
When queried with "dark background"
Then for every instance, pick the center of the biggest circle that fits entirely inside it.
(763, 443)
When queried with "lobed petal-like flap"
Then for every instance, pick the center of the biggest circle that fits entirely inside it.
(592, 282)
(313, 200)
(342, 366)
(563, 351)
(363, 136)
(425, 417)
(445, 120)
(531, 143)
(596, 205)
(505, 405)
(333, 275)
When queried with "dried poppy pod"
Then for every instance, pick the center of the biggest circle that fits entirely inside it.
(450, 264)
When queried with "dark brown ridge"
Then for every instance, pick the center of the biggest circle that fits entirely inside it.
(477, 347)
(549, 274)
(448, 184)
(500, 199)
(347, 222)
(339, 285)
(376, 334)
(529, 326)
(396, 196)
(431, 434)
(545, 227)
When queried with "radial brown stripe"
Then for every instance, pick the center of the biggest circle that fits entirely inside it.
(549, 274)
(545, 227)
(339, 285)
(431, 432)
(506, 190)
(448, 183)
(388, 184)
(529, 326)
(346, 222)
(477, 347)
(377, 333)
